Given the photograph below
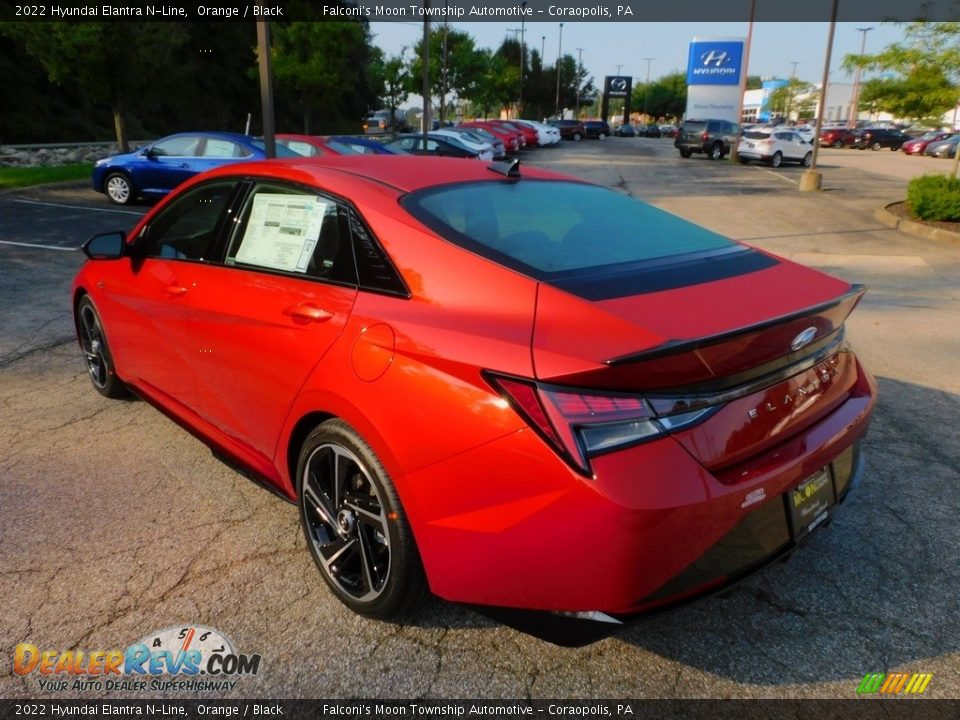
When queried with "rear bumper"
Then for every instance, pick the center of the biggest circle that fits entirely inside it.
(653, 528)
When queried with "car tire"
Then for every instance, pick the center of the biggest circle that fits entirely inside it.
(716, 152)
(96, 352)
(577, 137)
(876, 146)
(776, 159)
(808, 159)
(355, 526)
(686, 153)
(119, 188)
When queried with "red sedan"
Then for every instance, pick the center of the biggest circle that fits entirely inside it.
(313, 145)
(513, 140)
(519, 390)
(918, 145)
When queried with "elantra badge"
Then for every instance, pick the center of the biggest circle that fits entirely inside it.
(803, 339)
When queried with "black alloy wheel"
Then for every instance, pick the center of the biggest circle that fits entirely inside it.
(355, 526)
(93, 343)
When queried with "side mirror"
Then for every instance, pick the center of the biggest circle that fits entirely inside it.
(149, 153)
(107, 246)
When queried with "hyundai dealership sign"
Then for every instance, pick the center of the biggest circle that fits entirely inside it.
(714, 62)
(713, 78)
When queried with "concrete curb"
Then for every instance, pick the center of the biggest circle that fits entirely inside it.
(49, 185)
(912, 227)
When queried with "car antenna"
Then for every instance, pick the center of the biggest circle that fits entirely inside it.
(510, 168)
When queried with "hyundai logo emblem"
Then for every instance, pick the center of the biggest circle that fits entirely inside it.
(715, 58)
(803, 339)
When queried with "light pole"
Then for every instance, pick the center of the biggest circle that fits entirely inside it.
(579, 72)
(523, 64)
(559, 55)
(646, 88)
(793, 74)
(811, 179)
(855, 101)
(543, 48)
(743, 75)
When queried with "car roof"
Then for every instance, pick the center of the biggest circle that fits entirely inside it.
(404, 173)
(238, 137)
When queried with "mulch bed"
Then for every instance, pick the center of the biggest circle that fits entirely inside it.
(902, 210)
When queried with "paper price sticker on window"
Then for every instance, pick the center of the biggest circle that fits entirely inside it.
(282, 231)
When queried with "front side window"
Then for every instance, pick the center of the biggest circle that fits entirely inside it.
(291, 230)
(188, 228)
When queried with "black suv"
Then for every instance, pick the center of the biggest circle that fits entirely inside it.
(876, 138)
(711, 137)
(596, 129)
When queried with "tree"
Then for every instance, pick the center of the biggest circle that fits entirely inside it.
(923, 95)
(796, 96)
(495, 85)
(107, 62)
(664, 98)
(457, 75)
(754, 82)
(394, 79)
(325, 64)
(928, 63)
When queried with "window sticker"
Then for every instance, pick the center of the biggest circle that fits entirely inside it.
(282, 231)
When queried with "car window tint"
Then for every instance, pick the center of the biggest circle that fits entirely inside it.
(218, 148)
(184, 146)
(292, 230)
(756, 135)
(187, 228)
(554, 226)
(374, 269)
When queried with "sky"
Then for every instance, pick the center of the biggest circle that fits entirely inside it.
(606, 46)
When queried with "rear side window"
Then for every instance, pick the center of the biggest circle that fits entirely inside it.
(545, 228)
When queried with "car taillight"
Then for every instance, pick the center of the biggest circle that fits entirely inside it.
(705, 136)
(580, 424)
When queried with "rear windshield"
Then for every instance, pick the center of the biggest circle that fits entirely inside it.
(544, 228)
(694, 126)
(756, 135)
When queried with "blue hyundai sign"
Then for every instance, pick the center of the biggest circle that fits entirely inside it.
(715, 62)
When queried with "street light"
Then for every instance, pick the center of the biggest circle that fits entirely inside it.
(523, 64)
(855, 101)
(811, 179)
(559, 55)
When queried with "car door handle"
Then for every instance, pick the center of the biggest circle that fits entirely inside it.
(307, 312)
(175, 290)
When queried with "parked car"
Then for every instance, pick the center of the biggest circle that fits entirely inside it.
(155, 169)
(538, 394)
(876, 138)
(483, 149)
(807, 132)
(943, 148)
(774, 146)
(837, 137)
(313, 145)
(365, 145)
(530, 136)
(918, 145)
(596, 129)
(713, 138)
(570, 129)
(546, 134)
(652, 131)
(483, 135)
(512, 140)
(669, 131)
(439, 145)
(626, 130)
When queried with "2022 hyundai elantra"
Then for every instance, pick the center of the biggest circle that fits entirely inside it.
(513, 388)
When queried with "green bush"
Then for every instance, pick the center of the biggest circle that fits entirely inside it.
(934, 197)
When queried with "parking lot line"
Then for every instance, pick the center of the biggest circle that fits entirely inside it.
(775, 174)
(78, 207)
(37, 245)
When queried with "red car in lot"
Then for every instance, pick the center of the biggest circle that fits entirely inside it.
(519, 390)
(513, 140)
(918, 145)
(838, 137)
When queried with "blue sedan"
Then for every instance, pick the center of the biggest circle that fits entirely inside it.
(156, 169)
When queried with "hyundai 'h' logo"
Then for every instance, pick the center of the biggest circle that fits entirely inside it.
(715, 58)
(803, 339)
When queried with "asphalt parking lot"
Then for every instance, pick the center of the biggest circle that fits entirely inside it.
(115, 522)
